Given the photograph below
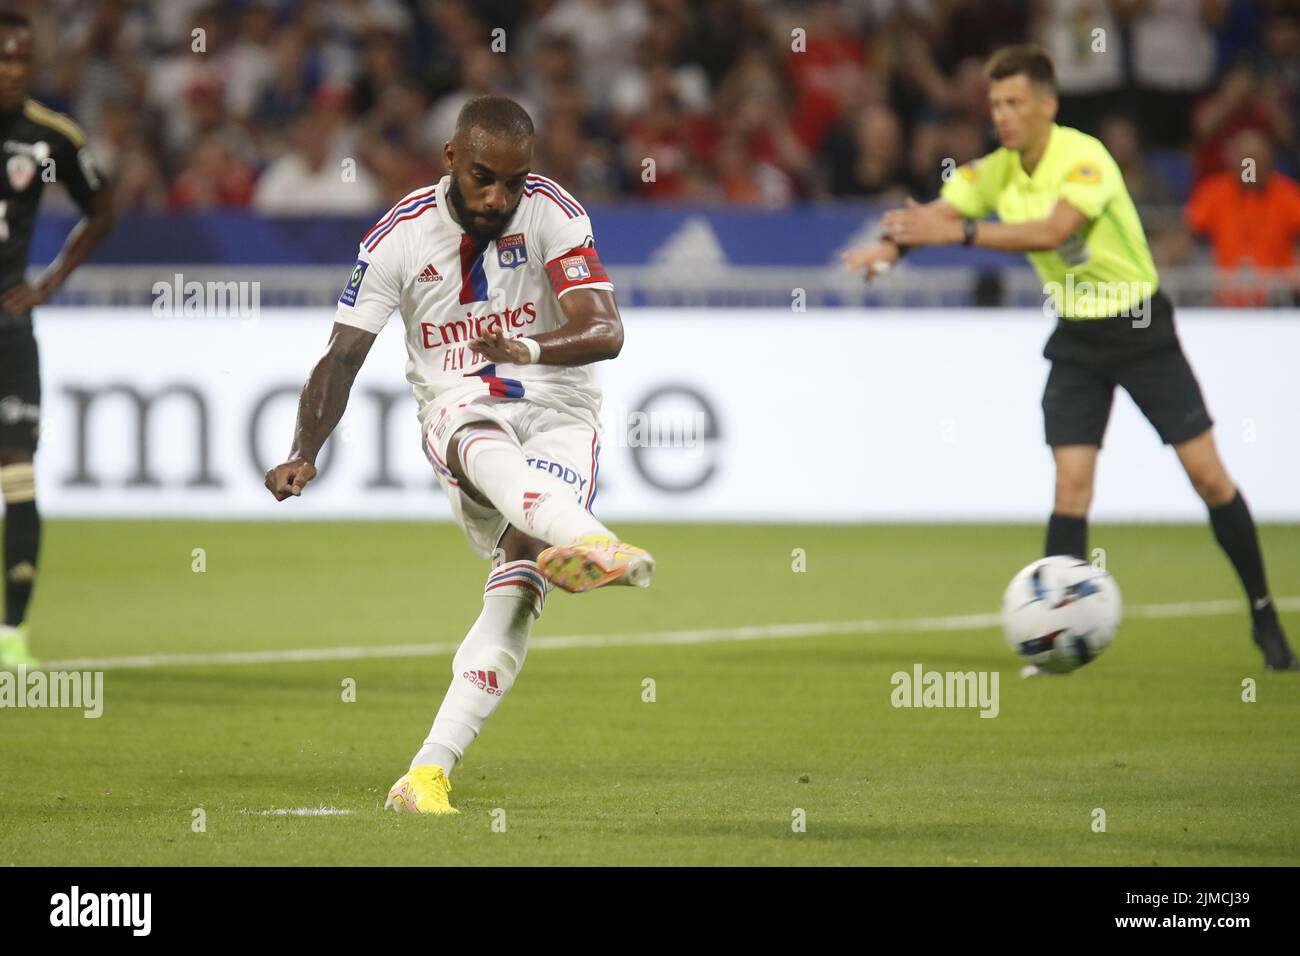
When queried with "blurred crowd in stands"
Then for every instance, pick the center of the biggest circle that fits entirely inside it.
(261, 103)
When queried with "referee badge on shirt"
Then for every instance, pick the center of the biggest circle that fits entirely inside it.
(1084, 173)
(511, 251)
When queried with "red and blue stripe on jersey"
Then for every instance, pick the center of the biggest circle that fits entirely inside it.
(473, 280)
(498, 387)
(542, 186)
(417, 205)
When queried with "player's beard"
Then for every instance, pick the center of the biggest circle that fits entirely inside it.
(473, 223)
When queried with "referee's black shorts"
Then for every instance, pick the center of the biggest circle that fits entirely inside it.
(1091, 356)
(20, 387)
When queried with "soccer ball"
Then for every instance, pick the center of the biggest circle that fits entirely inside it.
(1059, 613)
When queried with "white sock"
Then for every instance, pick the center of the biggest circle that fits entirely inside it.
(487, 662)
(533, 501)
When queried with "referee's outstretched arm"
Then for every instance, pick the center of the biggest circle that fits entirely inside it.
(939, 224)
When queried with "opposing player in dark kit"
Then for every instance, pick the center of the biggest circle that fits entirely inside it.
(39, 146)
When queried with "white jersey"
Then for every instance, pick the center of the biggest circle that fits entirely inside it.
(450, 290)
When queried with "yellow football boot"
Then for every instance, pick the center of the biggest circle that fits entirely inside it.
(596, 560)
(421, 790)
(13, 649)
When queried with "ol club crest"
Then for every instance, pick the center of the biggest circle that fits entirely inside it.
(511, 251)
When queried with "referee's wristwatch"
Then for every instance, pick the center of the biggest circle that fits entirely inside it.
(968, 232)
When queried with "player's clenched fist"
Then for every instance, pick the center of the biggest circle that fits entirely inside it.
(497, 347)
(289, 478)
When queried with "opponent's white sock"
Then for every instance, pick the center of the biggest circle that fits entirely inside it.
(533, 501)
(487, 662)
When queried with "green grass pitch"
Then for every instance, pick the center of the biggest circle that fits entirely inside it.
(740, 736)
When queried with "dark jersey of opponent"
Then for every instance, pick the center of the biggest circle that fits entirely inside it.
(39, 146)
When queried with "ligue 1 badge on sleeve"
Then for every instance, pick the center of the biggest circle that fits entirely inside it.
(349, 296)
(511, 251)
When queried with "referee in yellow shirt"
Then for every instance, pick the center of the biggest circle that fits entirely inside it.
(1060, 198)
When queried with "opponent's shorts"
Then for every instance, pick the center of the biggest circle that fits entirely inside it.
(1091, 356)
(20, 388)
(563, 444)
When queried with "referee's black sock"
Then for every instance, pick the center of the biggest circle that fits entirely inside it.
(22, 540)
(1066, 535)
(1235, 530)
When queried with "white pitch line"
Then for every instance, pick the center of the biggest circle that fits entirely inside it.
(710, 635)
(303, 812)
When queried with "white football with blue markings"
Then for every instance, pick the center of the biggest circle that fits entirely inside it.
(1060, 612)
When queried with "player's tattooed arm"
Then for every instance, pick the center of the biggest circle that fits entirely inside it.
(320, 406)
(84, 238)
(593, 332)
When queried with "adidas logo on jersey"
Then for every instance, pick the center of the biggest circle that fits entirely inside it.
(430, 274)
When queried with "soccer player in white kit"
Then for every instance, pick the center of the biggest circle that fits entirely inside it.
(506, 306)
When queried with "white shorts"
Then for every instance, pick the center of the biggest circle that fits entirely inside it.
(565, 444)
